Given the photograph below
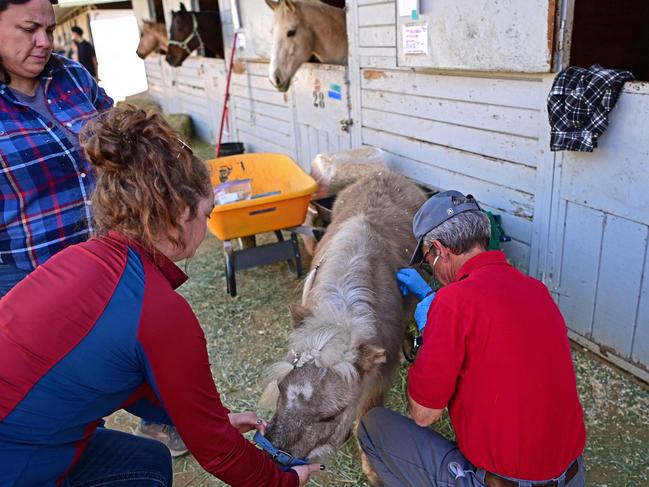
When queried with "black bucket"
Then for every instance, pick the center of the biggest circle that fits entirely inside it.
(231, 149)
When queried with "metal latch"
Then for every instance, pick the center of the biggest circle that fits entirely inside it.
(345, 124)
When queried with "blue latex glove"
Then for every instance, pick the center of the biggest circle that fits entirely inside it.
(410, 281)
(421, 311)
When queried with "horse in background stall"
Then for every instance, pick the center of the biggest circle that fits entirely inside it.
(153, 38)
(191, 31)
(350, 326)
(303, 29)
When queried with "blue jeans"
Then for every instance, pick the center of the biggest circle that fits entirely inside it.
(115, 458)
(10, 275)
(404, 454)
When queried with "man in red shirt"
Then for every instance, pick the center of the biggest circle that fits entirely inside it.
(495, 353)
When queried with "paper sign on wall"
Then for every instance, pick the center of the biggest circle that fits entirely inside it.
(415, 38)
(406, 7)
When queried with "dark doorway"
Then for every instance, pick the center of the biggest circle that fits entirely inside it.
(212, 7)
(613, 34)
(158, 11)
(335, 3)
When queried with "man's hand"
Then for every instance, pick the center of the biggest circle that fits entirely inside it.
(305, 471)
(248, 421)
(410, 281)
(422, 415)
(421, 311)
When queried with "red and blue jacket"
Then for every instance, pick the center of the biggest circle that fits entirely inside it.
(97, 328)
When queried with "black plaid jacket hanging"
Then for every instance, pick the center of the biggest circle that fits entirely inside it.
(579, 103)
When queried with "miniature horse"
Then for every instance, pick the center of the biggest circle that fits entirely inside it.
(152, 39)
(350, 325)
(303, 29)
(192, 31)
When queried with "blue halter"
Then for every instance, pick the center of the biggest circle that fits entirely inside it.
(285, 460)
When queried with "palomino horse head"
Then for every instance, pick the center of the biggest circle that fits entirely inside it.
(302, 29)
(183, 36)
(153, 37)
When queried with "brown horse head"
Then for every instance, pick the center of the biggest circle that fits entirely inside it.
(152, 38)
(302, 29)
(191, 31)
(183, 36)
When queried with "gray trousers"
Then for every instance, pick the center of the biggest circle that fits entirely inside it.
(404, 454)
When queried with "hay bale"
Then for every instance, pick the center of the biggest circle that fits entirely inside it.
(141, 102)
(181, 123)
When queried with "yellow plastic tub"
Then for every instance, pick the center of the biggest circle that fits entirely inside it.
(270, 173)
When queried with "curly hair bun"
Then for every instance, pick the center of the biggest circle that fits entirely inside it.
(113, 139)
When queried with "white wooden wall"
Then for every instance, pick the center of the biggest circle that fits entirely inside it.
(580, 222)
(263, 116)
(477, 133)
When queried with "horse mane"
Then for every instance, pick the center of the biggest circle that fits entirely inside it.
(343, 317)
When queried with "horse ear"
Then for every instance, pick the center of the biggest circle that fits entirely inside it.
(273, 5)
(298, 313)
(369, 356)
(290, 5)
(182, 7)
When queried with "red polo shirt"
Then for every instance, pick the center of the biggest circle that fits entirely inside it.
(496, 352)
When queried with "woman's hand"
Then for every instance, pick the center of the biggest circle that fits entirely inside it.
(248, 421)
(305, 471)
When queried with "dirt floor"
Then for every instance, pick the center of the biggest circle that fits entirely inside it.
(247, 333)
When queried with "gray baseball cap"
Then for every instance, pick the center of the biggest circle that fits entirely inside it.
(435, 211)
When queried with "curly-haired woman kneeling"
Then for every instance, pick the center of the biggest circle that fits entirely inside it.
(99, 327)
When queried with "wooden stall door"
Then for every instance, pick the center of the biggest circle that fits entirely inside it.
(599, 242)
(322, 111)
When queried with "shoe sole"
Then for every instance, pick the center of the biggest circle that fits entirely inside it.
(174, 453)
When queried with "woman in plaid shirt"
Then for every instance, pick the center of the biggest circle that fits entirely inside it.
(45, 180)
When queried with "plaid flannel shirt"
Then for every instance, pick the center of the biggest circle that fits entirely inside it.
(579, 103)
(45, 179)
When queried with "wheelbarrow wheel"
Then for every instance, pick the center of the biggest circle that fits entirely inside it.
(229, 275)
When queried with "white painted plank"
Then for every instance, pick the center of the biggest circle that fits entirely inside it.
(503, 199)
(515, 121)
(378, 51)
(491, 144)
(377, 36)
(257, 106)
(623, 251)
(323, 142)
(255, 144)
(518, 253)
(503, 173)
(640, 352)
(521, 93)
(266, 134)
(270, 97)
(376, 15)
(580, 267)
(282, 127)
(305, 145)
(380, 62)
(256, 82)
